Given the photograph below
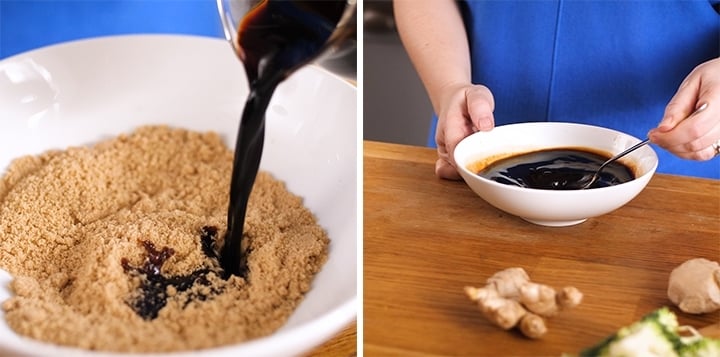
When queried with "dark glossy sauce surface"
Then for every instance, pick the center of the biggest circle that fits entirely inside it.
(275, 38)
(152, 294)
(556, 169)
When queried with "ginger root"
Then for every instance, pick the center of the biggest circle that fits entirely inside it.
(505, 313)
(569, 297)
(508, 282)
(694, 286)
(510, 300)
(539, 298)
(532, 325)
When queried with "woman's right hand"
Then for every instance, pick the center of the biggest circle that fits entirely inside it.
(435, 38)
(464, 109)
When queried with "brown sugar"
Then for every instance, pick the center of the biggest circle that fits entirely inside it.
(76, 227)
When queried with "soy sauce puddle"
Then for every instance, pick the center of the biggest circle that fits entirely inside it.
(275, 39)
(152, 295)
(556, 169)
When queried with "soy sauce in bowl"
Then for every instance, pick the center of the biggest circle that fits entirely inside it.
(554, 169)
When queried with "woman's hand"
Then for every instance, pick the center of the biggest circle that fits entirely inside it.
(696, 137)
(435, 38)
(464, 109)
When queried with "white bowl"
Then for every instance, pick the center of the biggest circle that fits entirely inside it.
(551, 207)
(81, 92)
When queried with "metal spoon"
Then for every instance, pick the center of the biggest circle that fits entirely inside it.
(596, 175)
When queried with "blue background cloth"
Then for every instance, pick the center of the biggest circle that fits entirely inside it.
(614, 64)
(29, 24)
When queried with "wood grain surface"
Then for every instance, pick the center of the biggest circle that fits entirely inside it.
(344, 344)
(426, 238)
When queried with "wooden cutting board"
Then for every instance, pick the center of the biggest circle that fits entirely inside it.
(711, 331)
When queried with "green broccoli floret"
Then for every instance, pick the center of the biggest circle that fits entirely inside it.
(654, 335)
(705, 347)
(645, 338)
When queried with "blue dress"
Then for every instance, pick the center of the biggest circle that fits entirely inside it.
(609, 63)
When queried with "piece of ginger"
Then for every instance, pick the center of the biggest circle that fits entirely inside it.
(694, 286)
(509, 299)
(569, 297)
(505, 313)
(508, 282)
(532, 325)
(539, 298)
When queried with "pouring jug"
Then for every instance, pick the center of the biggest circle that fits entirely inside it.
(339, 53)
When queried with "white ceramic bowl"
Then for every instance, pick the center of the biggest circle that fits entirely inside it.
(550, 207)
(81, 92)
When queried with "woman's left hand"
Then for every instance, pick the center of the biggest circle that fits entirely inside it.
(696, 137)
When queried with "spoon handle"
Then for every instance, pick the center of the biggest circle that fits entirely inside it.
(596, 175)
(627, 151)
(698, 110)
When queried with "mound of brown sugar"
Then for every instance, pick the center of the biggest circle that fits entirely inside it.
(75, 224)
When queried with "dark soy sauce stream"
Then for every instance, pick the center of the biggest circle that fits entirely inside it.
(275, 38)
